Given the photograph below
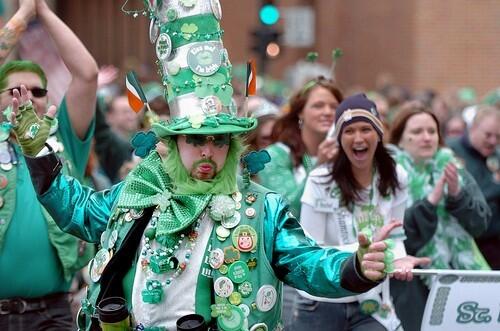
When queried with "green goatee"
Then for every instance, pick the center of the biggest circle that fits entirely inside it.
(223, 183)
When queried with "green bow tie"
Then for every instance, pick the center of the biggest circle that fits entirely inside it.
(149, 185)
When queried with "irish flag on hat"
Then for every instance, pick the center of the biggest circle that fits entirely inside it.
(135, 94)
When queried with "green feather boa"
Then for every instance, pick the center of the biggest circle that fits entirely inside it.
(223, 183)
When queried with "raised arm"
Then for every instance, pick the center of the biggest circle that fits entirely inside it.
(81, 94)
(13, 29)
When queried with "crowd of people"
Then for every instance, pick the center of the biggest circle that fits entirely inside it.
(292, 216)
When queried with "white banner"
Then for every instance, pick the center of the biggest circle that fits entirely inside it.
(462, 300)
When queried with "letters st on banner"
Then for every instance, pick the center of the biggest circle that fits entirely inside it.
(462, 300)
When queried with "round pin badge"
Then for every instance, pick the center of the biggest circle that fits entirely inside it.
(6, 166)
(104, 237)
(204, 58)
(266, 298)
(223, 269)
(231, 222)
(136, 213)
(223, 287)
(211, 105)
(245, 309)
(3, 182)
(128, 217)
(235, 298)
(250, 212)
(238, 272)
(369, 306)
(222, 232)
(216, 258)
(112, 239)
(154, 31)
(237, 196)
(173, 68)
(101, 260)
(163, 46)
(259, 327)
(245, 289)
(244, 238)
(216, 9)
(172, 14)
(233, 321)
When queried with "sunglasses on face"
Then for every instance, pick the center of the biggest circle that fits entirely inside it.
(37, 92)
(219, 140)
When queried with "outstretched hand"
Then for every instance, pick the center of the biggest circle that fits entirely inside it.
(31, 131)
(403, 266)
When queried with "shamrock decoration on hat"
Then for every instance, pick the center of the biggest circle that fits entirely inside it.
(195, 68)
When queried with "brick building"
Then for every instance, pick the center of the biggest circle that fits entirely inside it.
(420, 43)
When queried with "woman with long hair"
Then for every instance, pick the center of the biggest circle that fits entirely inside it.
(299, 139)
(445, 207)
(360, 192)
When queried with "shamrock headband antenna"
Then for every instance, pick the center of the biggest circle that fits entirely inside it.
(312, 57)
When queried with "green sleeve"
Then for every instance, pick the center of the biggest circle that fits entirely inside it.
(299, 262)
(75, 149)
(77, 209)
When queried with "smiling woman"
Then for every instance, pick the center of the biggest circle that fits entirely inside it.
(360, 192)
(445, 207)
(299, 139)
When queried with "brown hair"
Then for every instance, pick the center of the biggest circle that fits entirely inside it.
(287, 130)
(408, 110)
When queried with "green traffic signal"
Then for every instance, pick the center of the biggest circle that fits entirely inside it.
(269, 14)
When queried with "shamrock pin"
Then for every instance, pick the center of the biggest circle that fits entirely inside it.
(219, 309)
(196, 120)
(32, 131)
(162, 200)
(188, 30)
(256, 161)
(144, 143)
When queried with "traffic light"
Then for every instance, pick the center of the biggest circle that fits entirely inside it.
(266, 36)
(269, 13)
(266, 41)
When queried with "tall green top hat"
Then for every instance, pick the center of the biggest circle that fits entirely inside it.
(195, 68)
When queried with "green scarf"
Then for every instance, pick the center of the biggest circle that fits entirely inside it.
(451, 247)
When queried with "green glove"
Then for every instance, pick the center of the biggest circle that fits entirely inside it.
(31, 131)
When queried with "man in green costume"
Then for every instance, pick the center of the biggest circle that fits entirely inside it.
(38, 260)
(184, 234)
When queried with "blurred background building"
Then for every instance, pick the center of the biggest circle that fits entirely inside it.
(415, 43)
